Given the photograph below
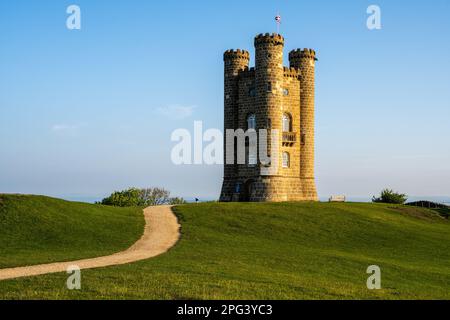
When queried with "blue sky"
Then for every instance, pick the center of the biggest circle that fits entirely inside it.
(85, 112)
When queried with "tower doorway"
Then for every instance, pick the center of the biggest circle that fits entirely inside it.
(247, 190)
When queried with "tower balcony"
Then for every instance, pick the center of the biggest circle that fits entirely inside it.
(289, 138)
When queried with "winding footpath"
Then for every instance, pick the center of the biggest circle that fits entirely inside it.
(161, 232)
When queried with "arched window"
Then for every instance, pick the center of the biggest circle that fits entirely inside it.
(252, 159)
(251, 121)
(286, 160)
(287, 123)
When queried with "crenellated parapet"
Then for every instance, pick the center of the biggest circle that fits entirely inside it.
(302, 54)
(247, 73)
(236, 55)
(268, 38)
(291, 72)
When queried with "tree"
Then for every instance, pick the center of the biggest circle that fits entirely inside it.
(177, 200)
(154, 196)
(389, 196)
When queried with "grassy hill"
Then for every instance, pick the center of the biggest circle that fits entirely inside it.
(37, 229)
(277, 251)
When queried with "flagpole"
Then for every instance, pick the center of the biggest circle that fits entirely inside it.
(278, 17)
(278, 27)
(278, 22)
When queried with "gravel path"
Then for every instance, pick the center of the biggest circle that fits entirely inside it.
(161, 232)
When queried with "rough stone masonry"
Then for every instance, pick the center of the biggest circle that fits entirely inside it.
(271, 96)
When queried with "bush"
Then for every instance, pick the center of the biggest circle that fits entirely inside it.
(177, 200)
(134, 197)
(125, 198)
(389, 196)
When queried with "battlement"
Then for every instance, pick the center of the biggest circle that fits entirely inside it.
(236, 54)
(274, 38)
(247, 72)
(302, 53)
(291, 72)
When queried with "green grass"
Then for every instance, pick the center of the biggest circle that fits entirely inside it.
(37, 229)
(277, 251)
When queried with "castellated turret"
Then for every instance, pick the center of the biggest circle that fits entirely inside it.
(305, 60)
(273, 97)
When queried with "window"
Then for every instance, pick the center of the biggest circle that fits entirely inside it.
(252, 92)
(286, 159)
(269, 87)
(251, 121)
(252, 159)
(286, 123)
(303, 139)
(285, 92)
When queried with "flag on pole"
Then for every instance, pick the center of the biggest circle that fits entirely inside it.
(278, 20)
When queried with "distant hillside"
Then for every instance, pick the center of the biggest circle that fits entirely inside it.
(37, 229)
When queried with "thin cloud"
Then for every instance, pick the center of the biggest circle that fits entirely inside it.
(66, 128)
(413, 156)
(63, 127)
(176, 111)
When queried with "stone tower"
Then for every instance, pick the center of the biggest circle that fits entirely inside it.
(279, 99)
(305, 60)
